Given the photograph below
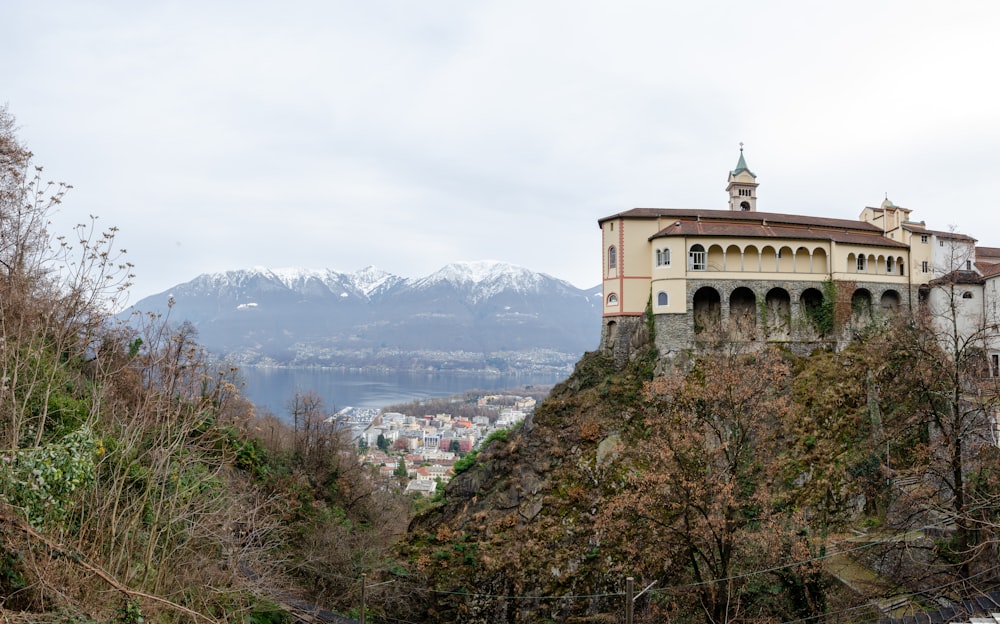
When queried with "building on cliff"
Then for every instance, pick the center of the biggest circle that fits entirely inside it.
(767, 277)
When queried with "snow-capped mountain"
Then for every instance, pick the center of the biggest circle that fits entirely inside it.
(475, 315)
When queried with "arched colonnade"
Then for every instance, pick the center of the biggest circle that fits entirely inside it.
(772, 310)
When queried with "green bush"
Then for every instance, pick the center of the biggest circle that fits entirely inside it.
(40, 481)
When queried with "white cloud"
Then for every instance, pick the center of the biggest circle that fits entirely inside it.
(338, 134)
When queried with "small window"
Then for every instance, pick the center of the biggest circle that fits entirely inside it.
(967, 295)
(662, 257)
(923, 238)
(612, 257)
(861, 264)
(745, 206)
(940, 243)
(696, 258)
(662, 299)
(923, 266)
(968, 265)
(612, 299)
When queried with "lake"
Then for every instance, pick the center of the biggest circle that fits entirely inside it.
(273, 388)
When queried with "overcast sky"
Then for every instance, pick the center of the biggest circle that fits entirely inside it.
(324, 134)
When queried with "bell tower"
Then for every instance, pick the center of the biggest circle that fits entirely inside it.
(742, 187)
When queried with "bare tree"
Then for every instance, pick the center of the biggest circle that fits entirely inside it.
(957, 400)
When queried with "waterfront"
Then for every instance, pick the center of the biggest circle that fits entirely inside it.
(271, 389)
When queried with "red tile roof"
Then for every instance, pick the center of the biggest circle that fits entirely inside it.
(922, 229)
(990, 255)
(989, 270)
(737, 216)
(770, 229)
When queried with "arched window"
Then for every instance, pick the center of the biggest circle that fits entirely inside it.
(612, 257)
(612, 298)
(745, 206)
(662, 257)
(967, 295)
(662, 299)
(696, 258)
(889, 265)
(861, 264)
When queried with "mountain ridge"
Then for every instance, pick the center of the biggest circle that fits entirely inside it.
(472, 315)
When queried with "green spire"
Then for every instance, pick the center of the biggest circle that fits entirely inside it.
(742, 164)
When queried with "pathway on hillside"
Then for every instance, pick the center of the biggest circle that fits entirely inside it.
(845, 568)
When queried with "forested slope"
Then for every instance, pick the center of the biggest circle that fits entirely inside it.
(135, 483)
(726, 489)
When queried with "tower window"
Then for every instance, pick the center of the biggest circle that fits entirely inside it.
(923, 238)
(662, 257)
(612, 299)
(923, 266)
(745, 206)
(612, 257)
(662, 299)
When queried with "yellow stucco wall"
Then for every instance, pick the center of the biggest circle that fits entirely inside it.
(636, 277)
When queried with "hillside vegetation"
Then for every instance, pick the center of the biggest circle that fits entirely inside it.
(137, 485)
(729, 491)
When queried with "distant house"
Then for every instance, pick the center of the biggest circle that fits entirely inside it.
(421, 486)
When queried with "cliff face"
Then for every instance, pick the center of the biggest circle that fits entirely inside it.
(718, 485)
(525, 520)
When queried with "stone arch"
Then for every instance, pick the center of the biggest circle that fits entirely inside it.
(743, 311)
(889, 302)
(778, 307)
(811, 304)
(923, 297)
(611, 335)
(707, 307)
(861, 305)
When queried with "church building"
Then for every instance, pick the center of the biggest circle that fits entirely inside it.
(767, 277)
